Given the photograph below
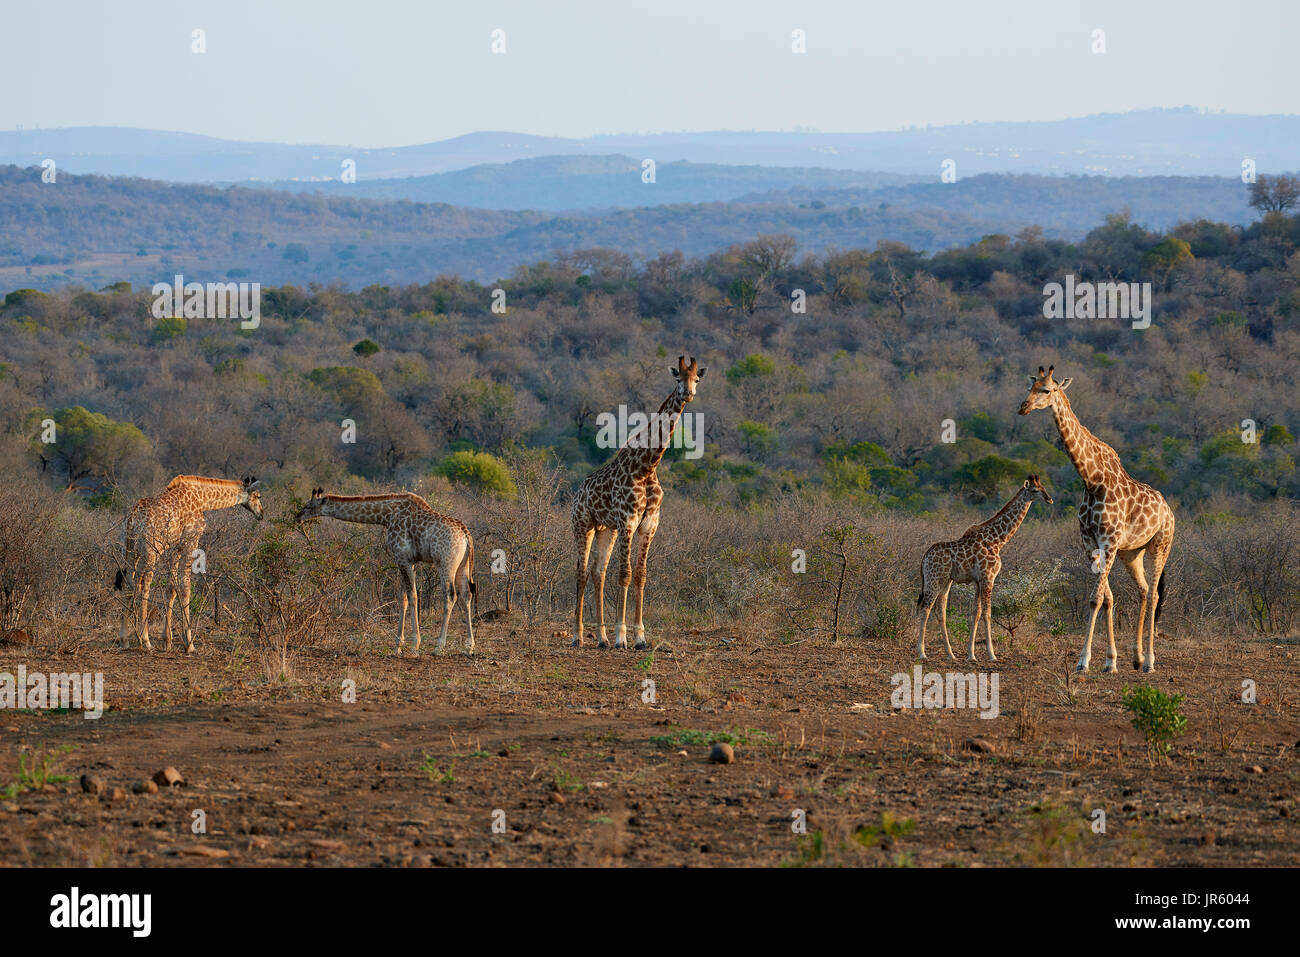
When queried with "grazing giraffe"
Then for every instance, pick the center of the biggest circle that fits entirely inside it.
(621, 499)
(173, 521)
(414, 533)
(1119, 517)
(975, 557)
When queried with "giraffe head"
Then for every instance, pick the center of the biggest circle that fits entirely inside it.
(1043, 390)
(250, 498)
(312, 509)
(1036, 491)
(687, 376)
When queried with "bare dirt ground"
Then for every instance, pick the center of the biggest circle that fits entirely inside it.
(556, 747)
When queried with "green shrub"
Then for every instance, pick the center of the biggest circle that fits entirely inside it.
(1156, 715)
(479, 470)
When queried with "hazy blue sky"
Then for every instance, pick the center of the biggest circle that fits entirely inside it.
(389, 73)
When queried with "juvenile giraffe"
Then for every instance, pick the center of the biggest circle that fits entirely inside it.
(173, 522)
(1119, 517)
(975, 557)
(414, 532)
(620, 500)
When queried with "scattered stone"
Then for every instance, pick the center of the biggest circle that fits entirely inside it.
(92, 785)
(144, 787)
(202, 850)
(1253, 769)
(722, 753)
(979, 745)
(861, 706)
(169, 777)
(782, 793)
(556, 797)
(117, 794)
(326, 844)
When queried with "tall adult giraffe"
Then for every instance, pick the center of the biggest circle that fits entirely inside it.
(414, 533)
(975, 557)
(621, 499)
(1119, 517)
(173, 521)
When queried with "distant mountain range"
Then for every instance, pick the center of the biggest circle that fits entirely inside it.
(1185, 142)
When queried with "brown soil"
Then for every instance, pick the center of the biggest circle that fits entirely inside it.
(557, 747)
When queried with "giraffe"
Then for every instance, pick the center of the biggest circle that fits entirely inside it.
(173, 522)
(1119, 517)
(621, 500)
(975, 557)
(414, 533)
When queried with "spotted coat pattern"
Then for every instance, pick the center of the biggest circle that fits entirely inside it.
(975, 557)
(173, 522)
(1119, 518)
(619, 503)
(413, 532)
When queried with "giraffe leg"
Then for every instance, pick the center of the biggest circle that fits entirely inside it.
(186, 585)
(407, 574)
(465, 587)
(584, 551)
(449, 603)
(172, 577)
(943, 619)
(604, 547)
(1158, 558)
(624, 580)
(645, 534)
(415, 612)
(1133, 562)
(979, 615)
(925, 603)
(142, 608)
(1103, 586)
(988, 619)
(1110, 667)
(128, 602)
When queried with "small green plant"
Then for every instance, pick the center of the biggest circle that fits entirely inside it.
(36, 773)
(434, 770)
(1156, 715)
(685, 737)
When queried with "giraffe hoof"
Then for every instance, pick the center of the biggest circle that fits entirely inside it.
(576, 643)
(1111, 668)
(603, 644)
(1147, 669)
(641, 644)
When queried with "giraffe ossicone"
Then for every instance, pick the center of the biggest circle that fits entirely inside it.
(414, 533)
(173, 522)
(975, 557)
(1119, 518)
(619, 504)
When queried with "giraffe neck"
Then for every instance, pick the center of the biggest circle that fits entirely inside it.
(210, 494)
(363, 509)
(647, 447)
(1088, 453)
(1004, 524)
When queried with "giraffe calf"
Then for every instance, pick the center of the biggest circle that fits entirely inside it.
(975, 557)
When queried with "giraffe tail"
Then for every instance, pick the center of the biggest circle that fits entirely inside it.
(1161, 587)
(469, 569)
(120, 580)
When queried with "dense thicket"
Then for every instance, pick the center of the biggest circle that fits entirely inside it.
(823, 429)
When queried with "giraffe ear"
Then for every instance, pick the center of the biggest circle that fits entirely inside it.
(700, 375)
(1033, 379)
(675, 373)
(1064, 383)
